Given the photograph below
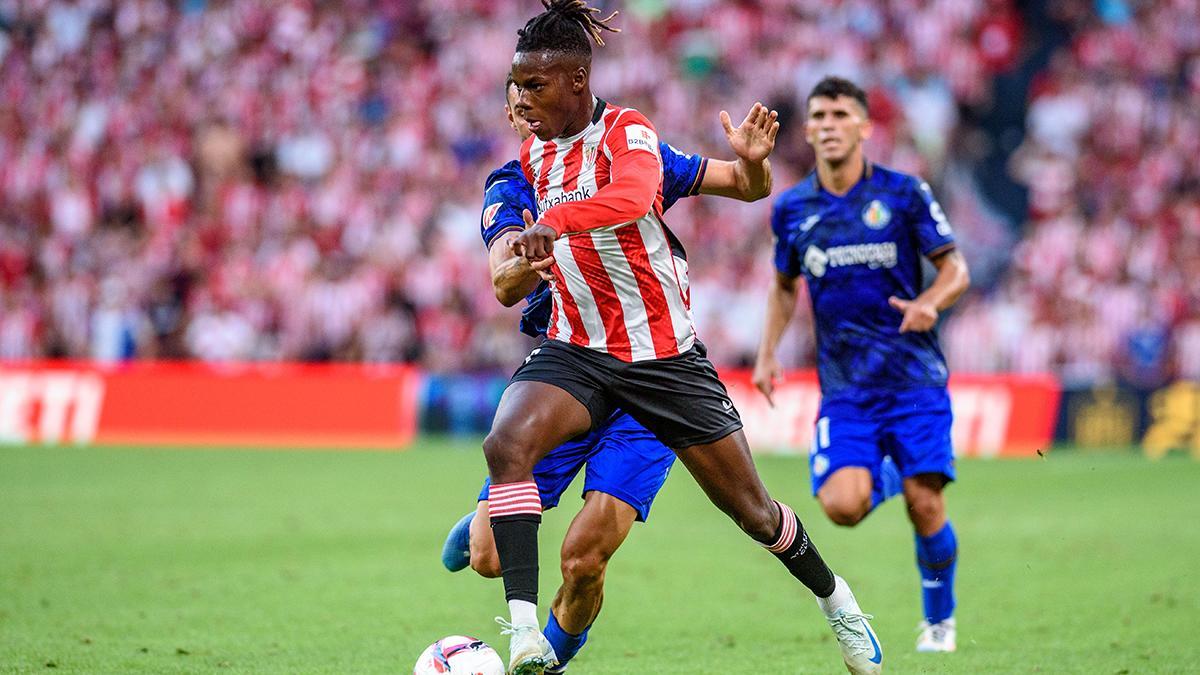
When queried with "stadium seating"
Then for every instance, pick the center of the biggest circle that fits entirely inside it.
(301, 181)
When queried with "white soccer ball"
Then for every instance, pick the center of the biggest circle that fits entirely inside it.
(459, 655)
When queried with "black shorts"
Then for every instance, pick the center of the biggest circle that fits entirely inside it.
(679, 399)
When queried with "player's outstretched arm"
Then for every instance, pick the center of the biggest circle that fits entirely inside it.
(781, 306)
(953, 279)
(747, 178)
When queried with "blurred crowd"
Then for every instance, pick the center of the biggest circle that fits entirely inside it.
(1104, 284)
(232, 180)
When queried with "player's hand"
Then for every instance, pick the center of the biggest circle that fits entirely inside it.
(766, 373)
(754, 139)
(544, 268)
(919, 316)
(536, 243)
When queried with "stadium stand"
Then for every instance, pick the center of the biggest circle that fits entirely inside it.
(301, 181)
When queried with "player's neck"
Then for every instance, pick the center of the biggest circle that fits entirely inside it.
(583, 118)
(841, 177)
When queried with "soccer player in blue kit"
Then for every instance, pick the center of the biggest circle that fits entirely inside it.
(625, 464)
(856, 232)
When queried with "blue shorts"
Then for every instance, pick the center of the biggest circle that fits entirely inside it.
(623, 460)
(911, 426)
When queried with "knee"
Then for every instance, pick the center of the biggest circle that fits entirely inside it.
(509, 455)
(761, 523)
(485, 563)
(926, 510)
(846, 511)
(583, 568)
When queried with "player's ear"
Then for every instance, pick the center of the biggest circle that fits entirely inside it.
(866, 129)
(579, 80)
(508, 112)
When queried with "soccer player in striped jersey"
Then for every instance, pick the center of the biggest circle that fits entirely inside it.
(626, 465)
(620, 334)
(856, 232)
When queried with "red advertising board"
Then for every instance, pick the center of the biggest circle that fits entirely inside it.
(1006, 415)
(254, 405)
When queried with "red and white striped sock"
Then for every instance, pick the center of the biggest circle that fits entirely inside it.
(515, 510)
(514, 499)
(797, 553)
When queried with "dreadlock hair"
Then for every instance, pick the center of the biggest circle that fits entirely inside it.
(565, 26)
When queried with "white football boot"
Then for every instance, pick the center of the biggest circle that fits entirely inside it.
(861, 650)
(938, 637)
(529, 652)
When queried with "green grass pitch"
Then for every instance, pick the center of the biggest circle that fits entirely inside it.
(219, 561)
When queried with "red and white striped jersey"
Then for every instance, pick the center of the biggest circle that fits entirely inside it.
(618, 288)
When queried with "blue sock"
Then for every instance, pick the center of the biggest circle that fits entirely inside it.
(936, 558)
(566, 646)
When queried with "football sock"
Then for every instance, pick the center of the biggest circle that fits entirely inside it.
(566, 646)
(799, 555)
(515, 510)
(523, 613)
(937, 557)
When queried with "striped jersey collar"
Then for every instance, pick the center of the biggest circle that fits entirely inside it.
(597, 115)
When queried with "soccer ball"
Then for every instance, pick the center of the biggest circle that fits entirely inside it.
(459, 655)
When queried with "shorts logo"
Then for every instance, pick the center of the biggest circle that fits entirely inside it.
(877, 215)
(820, 464)
(533, 354)
(727, 405)
(489, 215)
(640, 137)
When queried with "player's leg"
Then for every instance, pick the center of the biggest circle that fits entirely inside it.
(725, 472)
(845, 495)
(937, 558)
(542, 408)
(470, 541)
(594, 536)
(922, 449)
(846, 464)
(623, 476)
(687, 406)
(484, 559)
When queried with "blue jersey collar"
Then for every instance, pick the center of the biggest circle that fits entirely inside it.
(868, 171)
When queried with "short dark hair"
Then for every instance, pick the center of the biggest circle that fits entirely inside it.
(566, 27)
(508, 83)
(833, 87)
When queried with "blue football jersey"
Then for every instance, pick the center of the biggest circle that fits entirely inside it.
(507, 193)
(855, 251)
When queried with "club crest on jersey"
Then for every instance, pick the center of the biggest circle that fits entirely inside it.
(877, 215)
(489, 214)
(589, 153)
